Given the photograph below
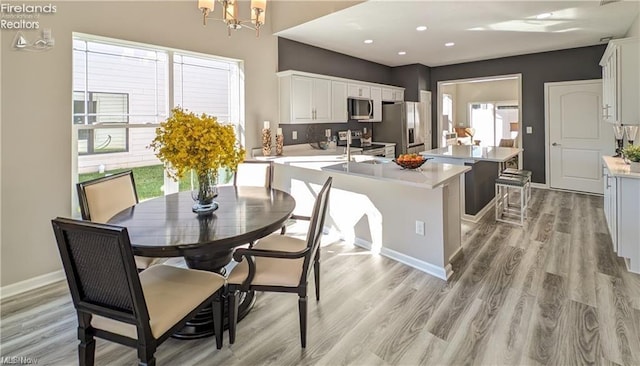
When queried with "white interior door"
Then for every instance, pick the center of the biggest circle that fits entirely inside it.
(577, 135)
(425, 104)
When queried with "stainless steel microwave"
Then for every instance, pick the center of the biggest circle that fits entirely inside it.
(360, 109)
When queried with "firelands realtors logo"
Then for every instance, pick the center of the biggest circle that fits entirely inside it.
(26, 17)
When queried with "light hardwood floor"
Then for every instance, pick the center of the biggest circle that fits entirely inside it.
(554, 293)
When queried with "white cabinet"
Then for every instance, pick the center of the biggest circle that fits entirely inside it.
(622, 210)
(392, 95)
(305, 100)
(359, 91)
(339, 112)
(376, 98)
(315, 98)
(620, 86)
(390, 151)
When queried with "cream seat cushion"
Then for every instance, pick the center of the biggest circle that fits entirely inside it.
(272, 271)
(170, 293)
(107, 198)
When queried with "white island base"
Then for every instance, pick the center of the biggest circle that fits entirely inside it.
(410, 216)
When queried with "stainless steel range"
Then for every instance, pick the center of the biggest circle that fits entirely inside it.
(356, 141)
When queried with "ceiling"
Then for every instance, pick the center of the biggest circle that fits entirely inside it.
(480, 29)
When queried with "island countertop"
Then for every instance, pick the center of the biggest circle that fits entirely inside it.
(430, 175)
(474, 153)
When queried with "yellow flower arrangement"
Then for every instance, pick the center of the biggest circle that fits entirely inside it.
(186, 141)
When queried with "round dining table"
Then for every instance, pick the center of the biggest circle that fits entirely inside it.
(166, 227)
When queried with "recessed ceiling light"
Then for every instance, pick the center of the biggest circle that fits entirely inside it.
(401, 53)
(544, 15)
(421, 28)
(449, 44)
(368, 41)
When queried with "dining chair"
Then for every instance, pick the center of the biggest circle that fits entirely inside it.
(253, 173)
(115, 302)
(101, 198)
(280, 263)
(256, 173)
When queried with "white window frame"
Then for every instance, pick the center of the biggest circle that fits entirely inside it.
(236, 98)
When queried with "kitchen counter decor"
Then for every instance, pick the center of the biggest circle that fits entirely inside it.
(266, 139)
(187, 142)
(410, 161)
(632, 153)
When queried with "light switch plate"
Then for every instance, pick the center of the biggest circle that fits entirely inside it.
(294, 135)
(529, 130)
(420, 227)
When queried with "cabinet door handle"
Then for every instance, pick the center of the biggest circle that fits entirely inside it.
(608, 186)
(556, 144)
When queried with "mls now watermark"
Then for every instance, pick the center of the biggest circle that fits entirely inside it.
(18, 360)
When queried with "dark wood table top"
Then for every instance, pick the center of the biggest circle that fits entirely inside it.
(166, 226)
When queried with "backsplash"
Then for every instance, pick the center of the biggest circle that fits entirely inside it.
(313, 132)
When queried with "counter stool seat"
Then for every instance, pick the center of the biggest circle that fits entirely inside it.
(520, 173)
(506, 211)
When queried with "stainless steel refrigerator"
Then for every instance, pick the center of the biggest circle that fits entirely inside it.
(402, 124)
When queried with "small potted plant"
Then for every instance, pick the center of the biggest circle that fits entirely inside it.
(632, 152)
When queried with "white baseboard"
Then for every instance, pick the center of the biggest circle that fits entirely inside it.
(475, 218)
(423, 266)
(30, 284)
(539, 185)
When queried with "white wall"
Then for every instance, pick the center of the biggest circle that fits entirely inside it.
(36, 180)
(486, 91)
(634, 30)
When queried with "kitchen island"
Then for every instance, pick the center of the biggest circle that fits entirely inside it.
(478, 186)
(412, 216)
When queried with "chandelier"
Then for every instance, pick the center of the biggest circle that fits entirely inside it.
(230, 14)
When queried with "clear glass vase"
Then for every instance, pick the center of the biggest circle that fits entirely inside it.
(204, 188)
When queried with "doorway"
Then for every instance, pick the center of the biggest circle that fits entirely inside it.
(577, 137)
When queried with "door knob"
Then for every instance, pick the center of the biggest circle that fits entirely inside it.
(555, 144)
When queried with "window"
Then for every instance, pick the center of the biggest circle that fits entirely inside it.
(122, 91)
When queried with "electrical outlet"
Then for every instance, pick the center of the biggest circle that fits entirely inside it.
(294, 135)
(420, 227)
(529, 130)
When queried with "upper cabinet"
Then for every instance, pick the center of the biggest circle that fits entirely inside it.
(376, 98)
(392, 95)
(359, 91)
(305, 100)
(313, 98)
(339, 109)
(620, 82)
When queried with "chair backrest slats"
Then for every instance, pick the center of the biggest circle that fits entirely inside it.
(317, 223)
(101, 198)
(100, 269)
(253, 174)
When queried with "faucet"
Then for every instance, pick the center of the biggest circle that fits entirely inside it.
(348, 146)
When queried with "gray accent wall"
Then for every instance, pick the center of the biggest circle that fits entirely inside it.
(298, 56)
(536, 69)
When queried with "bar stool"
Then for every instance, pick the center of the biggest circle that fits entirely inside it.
(520, 173)
(505, 211)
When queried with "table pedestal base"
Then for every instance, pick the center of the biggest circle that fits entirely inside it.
(201, 325)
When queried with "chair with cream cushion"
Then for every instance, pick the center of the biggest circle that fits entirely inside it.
(253, 173)
(101, 198)
(280, 263)
(116, 303)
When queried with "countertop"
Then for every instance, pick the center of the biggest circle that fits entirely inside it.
(430, 175)
(618, 168)
(477, 153)
(304, 150)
